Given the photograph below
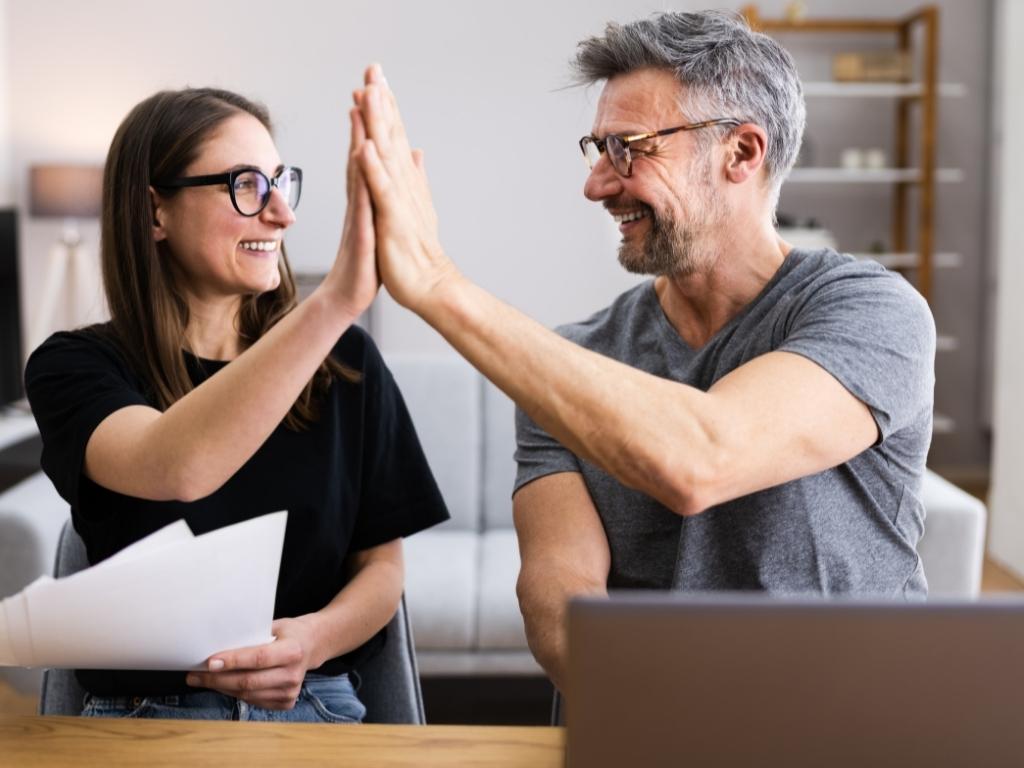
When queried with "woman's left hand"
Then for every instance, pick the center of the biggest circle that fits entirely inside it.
(268, 676)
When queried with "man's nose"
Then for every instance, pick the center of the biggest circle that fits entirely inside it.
(603, 182)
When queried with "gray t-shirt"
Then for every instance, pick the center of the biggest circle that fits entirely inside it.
(850, 529)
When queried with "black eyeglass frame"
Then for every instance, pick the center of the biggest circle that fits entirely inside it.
(626, 140)
(229, 178)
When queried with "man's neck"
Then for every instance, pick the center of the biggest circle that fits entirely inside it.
(733, 271)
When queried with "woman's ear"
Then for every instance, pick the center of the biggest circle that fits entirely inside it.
(748, 144)
(159, 213)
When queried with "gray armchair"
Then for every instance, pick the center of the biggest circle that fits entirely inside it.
(391, 682)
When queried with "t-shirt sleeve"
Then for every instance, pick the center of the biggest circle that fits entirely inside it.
(73, 382)
(538, 453)
(875, 334)
(399, 495)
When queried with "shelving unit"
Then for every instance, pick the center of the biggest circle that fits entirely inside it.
(914, 162)
(871, 175)
(921, 94)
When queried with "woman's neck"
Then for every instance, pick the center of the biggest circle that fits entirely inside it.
(212, 331)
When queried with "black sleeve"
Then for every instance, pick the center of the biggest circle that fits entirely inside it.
(399, 495)
(74, 381)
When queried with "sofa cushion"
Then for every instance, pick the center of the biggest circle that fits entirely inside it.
(31, 516)
(500, 622)
(443, 396)
(441, 576)
(952, 548)
(499, 457)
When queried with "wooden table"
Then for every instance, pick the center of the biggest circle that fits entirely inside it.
(55, 741)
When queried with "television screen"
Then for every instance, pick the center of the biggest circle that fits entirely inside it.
(10, 310)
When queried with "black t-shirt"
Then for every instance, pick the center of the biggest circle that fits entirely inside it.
(355, 478)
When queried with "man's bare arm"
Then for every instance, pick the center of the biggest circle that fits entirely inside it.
(564, 554)
(772, 420)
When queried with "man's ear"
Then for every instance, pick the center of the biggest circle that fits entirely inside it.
(159, 212)
(748, 144)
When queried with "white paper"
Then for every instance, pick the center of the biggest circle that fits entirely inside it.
(168, 602)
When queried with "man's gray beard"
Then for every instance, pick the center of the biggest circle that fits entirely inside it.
(667, 249)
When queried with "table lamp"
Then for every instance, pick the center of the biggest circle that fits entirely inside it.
(72, 193)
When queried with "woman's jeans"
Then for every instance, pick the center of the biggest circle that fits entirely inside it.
(323, 699)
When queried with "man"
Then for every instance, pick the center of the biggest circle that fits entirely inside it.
(756, 416)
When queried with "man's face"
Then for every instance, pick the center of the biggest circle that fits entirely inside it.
(669, 206)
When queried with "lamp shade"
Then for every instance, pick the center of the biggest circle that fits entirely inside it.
(68, 191)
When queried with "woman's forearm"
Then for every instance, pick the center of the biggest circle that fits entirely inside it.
(191, 449)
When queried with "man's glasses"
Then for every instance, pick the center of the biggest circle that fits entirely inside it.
(618, 148)
(249, 187)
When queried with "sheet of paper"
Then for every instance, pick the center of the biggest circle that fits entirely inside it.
(170, 603)
(169, 534)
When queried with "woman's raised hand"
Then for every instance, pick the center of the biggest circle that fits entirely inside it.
(410, 260)
(353, 278)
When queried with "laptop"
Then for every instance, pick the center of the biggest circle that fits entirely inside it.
(663, 679)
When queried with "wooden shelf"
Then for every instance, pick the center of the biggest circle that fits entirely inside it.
(909, 260)
(870, 175)
(830, 89)
(914, 174)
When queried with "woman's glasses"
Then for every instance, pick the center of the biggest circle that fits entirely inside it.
(249, 187)
(617, 146)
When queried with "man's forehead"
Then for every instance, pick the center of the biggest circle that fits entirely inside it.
(639, 100)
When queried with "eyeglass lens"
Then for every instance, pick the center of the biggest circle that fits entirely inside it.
(251, 190)
(618, 153)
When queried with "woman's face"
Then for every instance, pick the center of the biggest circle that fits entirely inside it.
(218, 252)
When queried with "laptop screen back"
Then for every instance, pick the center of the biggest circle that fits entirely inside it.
(660, 679)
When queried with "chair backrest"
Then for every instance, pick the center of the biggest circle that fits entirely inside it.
(391, 682)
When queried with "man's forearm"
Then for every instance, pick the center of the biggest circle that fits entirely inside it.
(578, 396)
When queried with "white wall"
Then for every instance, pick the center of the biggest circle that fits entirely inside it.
(481, 88)
(478, 83)
(1006, 534)
(6, 176)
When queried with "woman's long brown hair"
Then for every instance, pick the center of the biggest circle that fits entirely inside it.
(158, 140)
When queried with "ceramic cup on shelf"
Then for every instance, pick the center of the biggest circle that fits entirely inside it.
(852, 158)
(875, 158)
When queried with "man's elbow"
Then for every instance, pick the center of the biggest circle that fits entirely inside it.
(688, 485)
(544, 631)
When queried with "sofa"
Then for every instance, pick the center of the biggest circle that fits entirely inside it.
(460, 584)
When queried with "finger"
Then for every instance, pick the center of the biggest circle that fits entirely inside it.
(377, 119)
(358, 126)
(377, 179)
(374, 74)
(357, 136)
(275, 703)
(364, 208)
(362, 216)
(273, 682)
(395, 115)
(389, 105)
(417, 159)
(280, 653)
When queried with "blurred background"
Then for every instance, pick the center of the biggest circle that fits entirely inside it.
(484, 91)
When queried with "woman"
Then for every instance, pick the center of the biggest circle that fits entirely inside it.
(211, 396)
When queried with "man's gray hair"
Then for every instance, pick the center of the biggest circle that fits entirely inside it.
(727, 70)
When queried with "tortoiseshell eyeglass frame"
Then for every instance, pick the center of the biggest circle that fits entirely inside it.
(620, 156)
